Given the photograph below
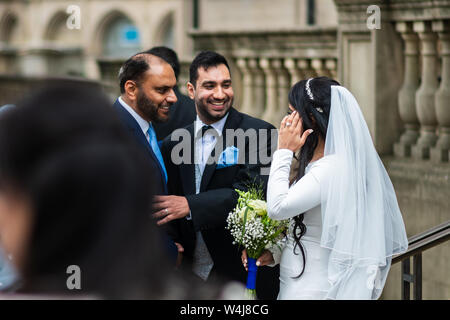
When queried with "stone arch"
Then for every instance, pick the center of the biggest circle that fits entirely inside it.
(10, 39)
(165, 32)
(64, 45)
(107, 25)
(9, 24)
(57, 31)
(54, 24)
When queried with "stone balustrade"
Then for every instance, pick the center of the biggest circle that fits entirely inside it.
(266, 82)
(269, 62)
(424, 99)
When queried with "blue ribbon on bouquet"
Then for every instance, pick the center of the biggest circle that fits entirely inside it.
(252, 271)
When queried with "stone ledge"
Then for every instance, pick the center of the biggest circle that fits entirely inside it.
(423, 170)
(311, 42)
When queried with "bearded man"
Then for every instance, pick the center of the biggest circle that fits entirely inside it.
(146, 86)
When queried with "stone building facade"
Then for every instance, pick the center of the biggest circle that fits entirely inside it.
(65, 37)
(393, 55)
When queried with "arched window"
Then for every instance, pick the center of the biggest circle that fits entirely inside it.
(67, 43)
(59, 34)
(122, 39)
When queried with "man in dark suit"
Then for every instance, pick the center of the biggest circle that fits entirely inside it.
(146, 86)
(181, 113)
(203, 190)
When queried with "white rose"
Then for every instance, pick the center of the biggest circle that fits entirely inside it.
(250, 213)
(258, 206)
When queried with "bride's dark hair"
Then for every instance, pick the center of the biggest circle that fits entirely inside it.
(314, 109)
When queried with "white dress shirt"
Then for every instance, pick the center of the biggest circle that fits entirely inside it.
(205, 145)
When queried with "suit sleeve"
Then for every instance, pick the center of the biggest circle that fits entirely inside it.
(172, 228)
(210, 209)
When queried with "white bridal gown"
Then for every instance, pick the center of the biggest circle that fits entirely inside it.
(284, 202)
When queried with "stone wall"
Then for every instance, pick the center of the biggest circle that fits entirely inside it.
(35, 41)
(423, 191)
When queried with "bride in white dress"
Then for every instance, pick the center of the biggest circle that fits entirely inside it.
(345, 221)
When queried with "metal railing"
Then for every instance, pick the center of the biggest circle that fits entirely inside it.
(418, 244)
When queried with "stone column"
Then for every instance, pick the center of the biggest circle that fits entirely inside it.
(91, 68)
(319, 67)
(247, 81)
(284, 85)
(369, 64)
(270, 111)
(331, 65)
(442, 99)
(294, 71)
(259, 89)
(306, 69)
(425, 96)
(407, 94)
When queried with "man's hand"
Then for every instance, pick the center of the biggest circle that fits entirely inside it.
(168, 208)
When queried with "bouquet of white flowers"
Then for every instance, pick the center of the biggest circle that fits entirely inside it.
(252, 228)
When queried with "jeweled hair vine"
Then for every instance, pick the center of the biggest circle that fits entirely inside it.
(310, 94)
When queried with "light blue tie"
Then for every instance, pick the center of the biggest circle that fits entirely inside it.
(155, 147)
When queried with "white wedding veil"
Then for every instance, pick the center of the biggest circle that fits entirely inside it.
(362, 223)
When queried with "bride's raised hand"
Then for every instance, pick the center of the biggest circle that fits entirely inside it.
(291, 135)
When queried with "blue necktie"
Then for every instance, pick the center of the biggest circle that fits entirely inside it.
(155, 147)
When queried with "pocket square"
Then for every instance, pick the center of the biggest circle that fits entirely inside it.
(229, 157)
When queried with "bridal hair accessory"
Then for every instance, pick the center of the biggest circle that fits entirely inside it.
(310, 94)
(308, 89)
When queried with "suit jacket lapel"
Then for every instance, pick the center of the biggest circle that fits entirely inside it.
(187, 170)
(134, 127)
(233, 121)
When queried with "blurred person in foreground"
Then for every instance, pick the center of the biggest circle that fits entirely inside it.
(6, 107)
(182, 113)
(8, 276)
(74, 191)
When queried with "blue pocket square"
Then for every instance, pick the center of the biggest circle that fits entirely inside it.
(229, 157)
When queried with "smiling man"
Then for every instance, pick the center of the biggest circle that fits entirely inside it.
(203, 191)
(146, 84)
